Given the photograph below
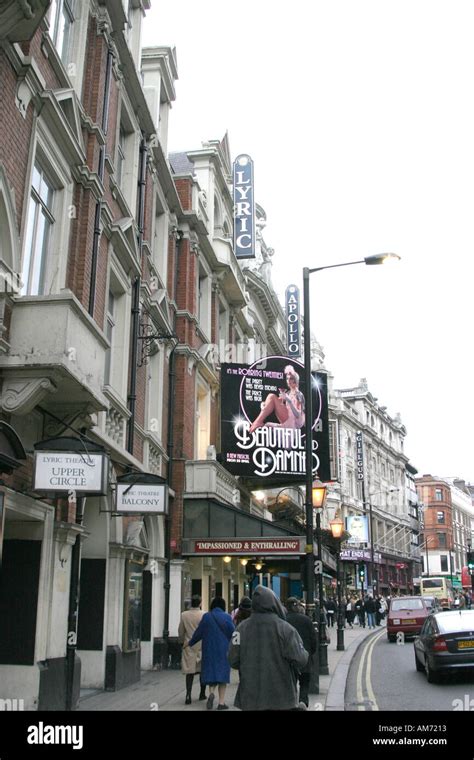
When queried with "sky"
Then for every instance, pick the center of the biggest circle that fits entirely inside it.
(359, 117)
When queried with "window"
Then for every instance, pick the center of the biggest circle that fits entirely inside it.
(441, 540)
(440, 518)
(444, 563)
(117, 331)
(109, 332)
(38, 232)
(203, 419)
(204, 300)
(61, 21)
(438, 494)
(120, 156)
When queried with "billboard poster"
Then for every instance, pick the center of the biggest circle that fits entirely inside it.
(244, 208)
(357, 526)
(263, 420)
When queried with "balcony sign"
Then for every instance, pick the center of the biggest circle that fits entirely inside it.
(244, 216)
(63, 472)
(142, 498)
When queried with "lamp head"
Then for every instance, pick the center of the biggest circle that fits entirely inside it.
(382, 258)
(318, 495)
(337, 526)
(227, 560)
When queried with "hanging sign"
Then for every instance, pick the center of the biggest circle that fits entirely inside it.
(60, 471)
(142, 498)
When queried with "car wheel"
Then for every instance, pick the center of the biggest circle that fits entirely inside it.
(391, 637)
(431, 675)
(418, 664)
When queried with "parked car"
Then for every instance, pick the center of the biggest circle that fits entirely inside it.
(433, 603)
(406, 615)
(445, 643)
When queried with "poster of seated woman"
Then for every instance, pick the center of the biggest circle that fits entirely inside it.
(288, 407)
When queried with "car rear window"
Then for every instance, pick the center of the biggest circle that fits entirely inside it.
(406, 604)
(432, 583)
(460, 621)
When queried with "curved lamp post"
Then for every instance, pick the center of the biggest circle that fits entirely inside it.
(380, 258)
(337, 528)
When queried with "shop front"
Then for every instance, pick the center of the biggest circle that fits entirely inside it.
(227, 552)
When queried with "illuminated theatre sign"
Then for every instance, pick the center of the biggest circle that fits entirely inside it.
(293, 341)
(250, 546)
(263, 420)
(244, 208)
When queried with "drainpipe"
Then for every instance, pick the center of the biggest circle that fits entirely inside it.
(100, 172)
(170, 444)
(132, 396)
(71, 643)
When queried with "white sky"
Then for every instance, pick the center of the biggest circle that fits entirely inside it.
(359, 116)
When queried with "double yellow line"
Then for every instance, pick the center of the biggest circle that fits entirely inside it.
(367, 659)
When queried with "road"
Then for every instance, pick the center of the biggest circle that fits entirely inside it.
(383, 677)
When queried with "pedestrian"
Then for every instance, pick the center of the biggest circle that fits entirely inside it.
(215, 631)
(191, 658)
(349, 611)
(243, 611)
(268, 653)
(331, 611)
(370, 608)
(305, 628)
(360, 610)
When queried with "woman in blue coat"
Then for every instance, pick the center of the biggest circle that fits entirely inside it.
(215, 631)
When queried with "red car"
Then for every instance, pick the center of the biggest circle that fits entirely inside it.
(406, 615)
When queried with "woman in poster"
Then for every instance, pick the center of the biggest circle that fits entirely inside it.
(288, 407)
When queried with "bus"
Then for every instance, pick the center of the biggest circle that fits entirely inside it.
(441, 588)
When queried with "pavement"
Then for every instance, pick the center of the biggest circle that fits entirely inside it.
(164, 690)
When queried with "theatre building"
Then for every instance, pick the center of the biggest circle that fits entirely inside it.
(88, 216)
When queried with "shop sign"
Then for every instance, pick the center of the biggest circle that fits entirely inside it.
(244, 212)
(263, 420)
(354, 555)
(252, 546)
(62, 472)
(142, 498)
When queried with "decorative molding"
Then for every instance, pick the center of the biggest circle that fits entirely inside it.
(20, 396)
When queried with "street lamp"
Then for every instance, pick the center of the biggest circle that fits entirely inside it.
(380, 258)
(337, 527)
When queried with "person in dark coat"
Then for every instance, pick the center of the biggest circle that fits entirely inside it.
(243, 611)
(305, 628)
(268, 653)
(215, 631)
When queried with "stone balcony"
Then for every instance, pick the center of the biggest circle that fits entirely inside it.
(56, 356)
(234, 281)
(207, 479)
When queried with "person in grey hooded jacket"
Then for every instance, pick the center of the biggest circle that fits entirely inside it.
(268, 653)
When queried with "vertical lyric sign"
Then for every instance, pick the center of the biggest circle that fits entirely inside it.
(293, 321)
(244, 208)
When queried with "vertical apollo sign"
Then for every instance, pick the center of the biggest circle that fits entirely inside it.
(244, 208)
(293, 339)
